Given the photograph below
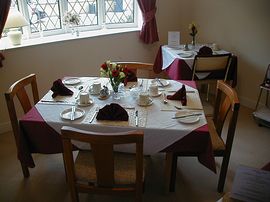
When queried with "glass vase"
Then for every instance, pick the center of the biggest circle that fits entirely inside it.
(193, 42)
(116, 95)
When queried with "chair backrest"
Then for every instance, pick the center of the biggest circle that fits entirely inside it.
(211, 63)
(19, 89)
(103, 153)
(141, 69)
(226, 107)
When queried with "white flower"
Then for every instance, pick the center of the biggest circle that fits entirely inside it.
(72, 18)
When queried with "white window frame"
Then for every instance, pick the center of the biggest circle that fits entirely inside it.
(63, 7)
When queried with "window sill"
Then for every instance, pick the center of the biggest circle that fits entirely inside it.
(6, 45)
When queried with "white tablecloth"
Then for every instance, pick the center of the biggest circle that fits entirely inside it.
(160, 129)
(169, 54)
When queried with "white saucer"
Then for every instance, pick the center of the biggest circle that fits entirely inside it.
(145, 105)
(187, 120)
(185, 55)
(84, 105)
(71, 81)
(66, 113)
(155, 95)
(92, 93)
(104, 97)
(164, 82)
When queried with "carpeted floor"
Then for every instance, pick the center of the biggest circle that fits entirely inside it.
(194, 183)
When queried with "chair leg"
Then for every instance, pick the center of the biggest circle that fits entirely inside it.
(223, 173)
(25, 170)
(173, 173)
(207, 93)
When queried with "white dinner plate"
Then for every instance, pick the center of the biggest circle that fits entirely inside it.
(185, 55)
(164, 82)
(187, 120)
(66, 113)
(71, 81)
(145, 105)
(84, 105)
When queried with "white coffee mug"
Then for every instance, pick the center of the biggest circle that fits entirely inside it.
(95, 88)
(84, 98)
(153, 89)
(144, 98)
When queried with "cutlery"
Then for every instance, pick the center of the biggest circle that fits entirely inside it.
(94, 115)
(189, 108)
(73, 109)
(164, 99)
(54, 101)
(172, 91)
(189, 115)
(141, 85)
(158, 80)
(136, 118)
(80, 90)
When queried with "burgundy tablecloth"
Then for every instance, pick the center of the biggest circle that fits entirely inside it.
(36, 136)
(179, 69)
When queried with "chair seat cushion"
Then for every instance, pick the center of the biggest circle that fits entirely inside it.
(125, 168)
(217, 142)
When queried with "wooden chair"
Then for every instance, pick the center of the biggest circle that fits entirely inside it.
(142, 70)
(226, 109)
(19, 89)
(101, 170)
(214, 64)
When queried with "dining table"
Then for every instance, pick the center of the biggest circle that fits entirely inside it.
(177, 63)
(40, 128)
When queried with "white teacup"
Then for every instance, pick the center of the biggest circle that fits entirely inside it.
(95, 88)
(144, 98)
(153, 89)
(84, 98)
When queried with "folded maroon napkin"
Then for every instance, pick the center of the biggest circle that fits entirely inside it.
(113, 112)
(130, 76)
(59, 88)
(179, 95)
(205, 50)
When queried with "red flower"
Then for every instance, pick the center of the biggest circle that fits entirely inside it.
(125, 70)
(115, 73)
(104, 66)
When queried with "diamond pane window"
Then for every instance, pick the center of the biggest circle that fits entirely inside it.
(48, 17)
(119, 11)
(87, 9)
(44, 15)
(14, 4)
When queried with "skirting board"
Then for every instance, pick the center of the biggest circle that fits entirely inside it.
(5, 127)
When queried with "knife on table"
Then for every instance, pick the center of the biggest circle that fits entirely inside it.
(136, 118)
(72, 114)
(94, 115)
(188, 115)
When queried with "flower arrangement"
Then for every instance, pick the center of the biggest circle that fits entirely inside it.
(193, 31)
(116, 73)
(72, 18)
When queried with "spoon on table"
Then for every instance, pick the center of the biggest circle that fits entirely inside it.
(164, 98)
(80, 90)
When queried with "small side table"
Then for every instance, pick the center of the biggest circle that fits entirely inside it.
(262, 114)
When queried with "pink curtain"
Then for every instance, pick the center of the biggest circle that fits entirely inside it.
(148, 32)
(4, 9)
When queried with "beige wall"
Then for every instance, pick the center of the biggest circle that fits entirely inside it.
(240, 26)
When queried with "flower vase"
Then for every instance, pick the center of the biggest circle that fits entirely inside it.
(116, 95)
(193, 42)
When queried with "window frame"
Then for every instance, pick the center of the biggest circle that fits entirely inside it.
(63, 5)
